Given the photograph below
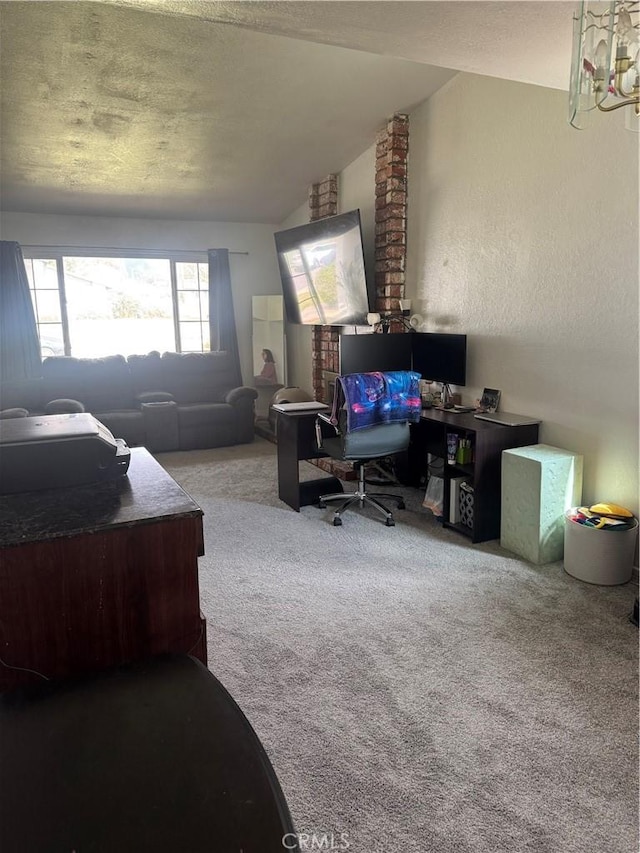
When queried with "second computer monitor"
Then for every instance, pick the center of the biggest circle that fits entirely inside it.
(440, 357)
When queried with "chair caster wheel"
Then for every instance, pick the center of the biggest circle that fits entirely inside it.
(322, 505)
(390, 522)
(402, 505)
(337, 521)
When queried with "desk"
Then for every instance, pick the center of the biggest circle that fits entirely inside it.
(296, 436)
(296, 441)
(94, 576)
(488, 440)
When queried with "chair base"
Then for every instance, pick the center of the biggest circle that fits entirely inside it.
(361, 497)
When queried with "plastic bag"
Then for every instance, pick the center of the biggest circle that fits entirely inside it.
(434, 496)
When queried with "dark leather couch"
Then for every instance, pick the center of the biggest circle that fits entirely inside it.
(177, 401)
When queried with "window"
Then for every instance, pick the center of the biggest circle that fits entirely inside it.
(90, 306)
(192, 288)
(47, 304)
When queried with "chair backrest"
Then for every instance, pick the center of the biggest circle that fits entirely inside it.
(372, 412)
(369, 399)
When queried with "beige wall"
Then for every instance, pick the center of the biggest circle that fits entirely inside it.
(523, 233)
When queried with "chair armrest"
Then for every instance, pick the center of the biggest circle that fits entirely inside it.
(324, 428)
(236, 395)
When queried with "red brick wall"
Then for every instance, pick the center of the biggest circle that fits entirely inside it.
(392, 149)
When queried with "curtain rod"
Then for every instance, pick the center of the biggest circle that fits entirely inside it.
(125, 249)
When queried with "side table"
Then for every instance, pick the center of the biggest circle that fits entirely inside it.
(539, 483)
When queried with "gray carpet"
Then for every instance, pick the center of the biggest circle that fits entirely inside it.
(414, 691)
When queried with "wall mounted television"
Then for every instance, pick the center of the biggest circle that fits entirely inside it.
(323, 272)
(440, 357)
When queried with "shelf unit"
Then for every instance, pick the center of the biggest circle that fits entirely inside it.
(488, 440)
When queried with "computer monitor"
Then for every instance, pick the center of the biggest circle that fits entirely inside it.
(440, 357)
(370, 352)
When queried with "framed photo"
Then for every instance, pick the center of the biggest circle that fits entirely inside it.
(490, 400)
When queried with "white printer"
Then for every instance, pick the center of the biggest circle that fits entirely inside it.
(56, 451)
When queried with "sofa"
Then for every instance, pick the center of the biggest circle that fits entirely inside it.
(173, 401)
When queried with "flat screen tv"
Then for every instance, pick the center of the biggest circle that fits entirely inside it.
(440, 357)
(371, 352)
(323, 273)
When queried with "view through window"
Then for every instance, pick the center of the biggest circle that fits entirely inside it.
(96, 306)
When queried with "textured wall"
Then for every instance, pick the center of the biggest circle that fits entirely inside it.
(523, 233)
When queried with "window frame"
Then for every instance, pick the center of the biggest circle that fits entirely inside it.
(174, 257)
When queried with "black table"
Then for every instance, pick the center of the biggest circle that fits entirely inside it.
(296, 435)
(153, 757)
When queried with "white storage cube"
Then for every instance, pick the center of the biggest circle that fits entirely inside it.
(539, 484)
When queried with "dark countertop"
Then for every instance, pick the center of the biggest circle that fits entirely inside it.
(144, 495)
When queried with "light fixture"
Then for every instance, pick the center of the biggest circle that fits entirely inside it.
(605, 66)
(382, 322)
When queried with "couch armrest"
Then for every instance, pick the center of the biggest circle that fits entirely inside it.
(237, 395)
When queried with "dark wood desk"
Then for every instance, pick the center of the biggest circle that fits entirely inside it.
(296, 437)
(297, 441)
(98, 575)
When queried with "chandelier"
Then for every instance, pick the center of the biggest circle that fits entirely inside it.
(605, 67)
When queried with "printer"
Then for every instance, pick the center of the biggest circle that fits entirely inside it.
(57, 451)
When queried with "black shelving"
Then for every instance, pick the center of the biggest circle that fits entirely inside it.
(488, 440)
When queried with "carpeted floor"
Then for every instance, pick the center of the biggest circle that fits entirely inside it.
(415, 692)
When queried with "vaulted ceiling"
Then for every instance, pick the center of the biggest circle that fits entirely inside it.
(229, 110)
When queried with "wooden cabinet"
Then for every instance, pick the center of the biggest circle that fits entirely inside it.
(95, 576)
(483, 473)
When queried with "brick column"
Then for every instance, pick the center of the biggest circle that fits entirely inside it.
(392, 149)
(323, 201)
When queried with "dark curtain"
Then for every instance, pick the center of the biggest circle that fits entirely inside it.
(222, 322)
(19, 344)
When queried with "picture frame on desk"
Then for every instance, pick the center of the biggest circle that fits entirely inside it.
(490, 400)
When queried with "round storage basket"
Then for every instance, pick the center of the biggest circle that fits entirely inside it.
(599, 555)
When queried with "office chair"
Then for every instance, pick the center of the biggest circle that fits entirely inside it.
(369, 420)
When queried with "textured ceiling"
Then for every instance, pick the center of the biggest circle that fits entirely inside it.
(229, 110)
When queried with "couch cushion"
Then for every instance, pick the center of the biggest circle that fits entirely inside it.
(207, 425)
(108, 384)
(209, 414)
(146, 372)
(202, 377)
(63, 376)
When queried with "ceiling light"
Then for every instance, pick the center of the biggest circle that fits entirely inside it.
(605, 67)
